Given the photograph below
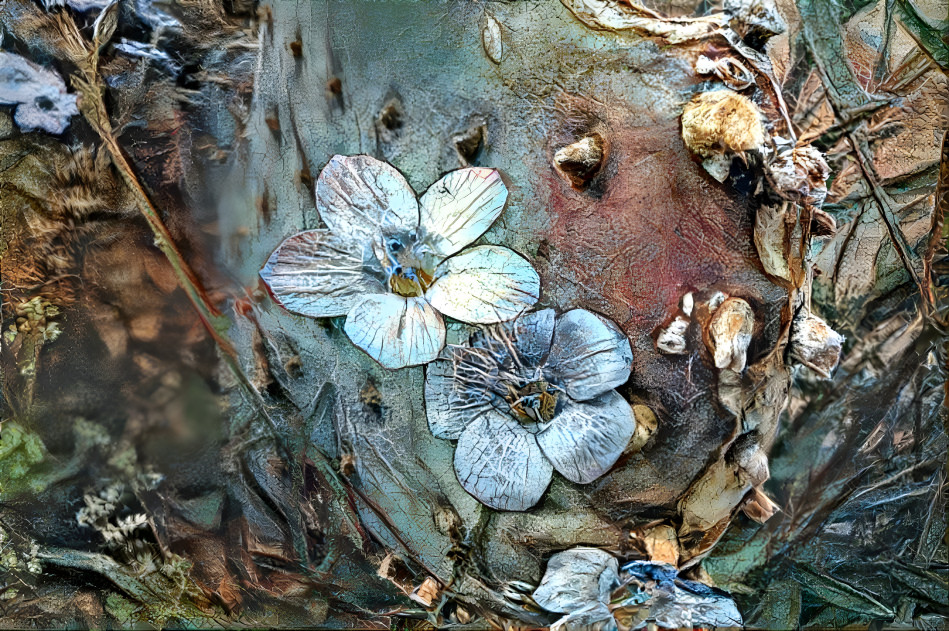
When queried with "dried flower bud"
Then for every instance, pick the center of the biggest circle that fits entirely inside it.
(730, 332)
(671, 340)
(758, 506)
(815, 344)
(646, 424)
(579, 162)
(722, 122)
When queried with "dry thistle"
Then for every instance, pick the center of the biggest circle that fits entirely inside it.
(722, 122)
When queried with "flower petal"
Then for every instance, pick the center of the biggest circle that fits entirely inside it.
(577, 578)
(587, 437)
(317, 274)
(396, 331)
(449, 404)
(486, 284)
(460, 207)
(590, 355)
(363, 198)
(531, 335)
(500, 464)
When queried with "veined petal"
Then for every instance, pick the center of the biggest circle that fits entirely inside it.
(577, 578)
(587, 437)
(364, 198)
(317, 274)
(450, 404)
(396, 331)
(532, 334)
(590, 355)
(460, 207)
(500, 464)
(485, 284)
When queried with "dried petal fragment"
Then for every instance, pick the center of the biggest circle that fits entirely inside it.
(396, 331)
(484, 284)
(579, 162)
(586, 438)
(758, 506)
(730, 331)
(500, 463)
(772, 240)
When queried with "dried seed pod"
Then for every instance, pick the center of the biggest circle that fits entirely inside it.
(671, 340)
(579, 162)
(491, 39)
(722, 122)
(426, 593)
(815, 344)
(730, 332)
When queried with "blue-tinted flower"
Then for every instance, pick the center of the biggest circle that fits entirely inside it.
(585, 586)
(393, 265)
(531, 396)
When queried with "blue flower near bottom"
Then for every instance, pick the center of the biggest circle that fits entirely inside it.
(529, 396)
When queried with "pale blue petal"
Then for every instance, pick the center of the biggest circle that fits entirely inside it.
(532, 333)
(365, 199)
(587, 437)
(317, 274)
(484, 285)
(460, 207)
(396, 331)
(589, 355)
(576, 579)
(500, 464)
(450, 403)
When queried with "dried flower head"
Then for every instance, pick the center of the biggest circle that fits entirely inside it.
(531, 396)
(722, 122)
(730, 332)
(393, 265)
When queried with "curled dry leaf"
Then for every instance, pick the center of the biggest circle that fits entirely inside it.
(758, 506)
(39, 95)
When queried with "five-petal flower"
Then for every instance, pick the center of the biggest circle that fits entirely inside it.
(393, 265)
(530, 396)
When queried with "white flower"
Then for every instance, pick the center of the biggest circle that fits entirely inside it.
(529, 397)
(394, 265)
